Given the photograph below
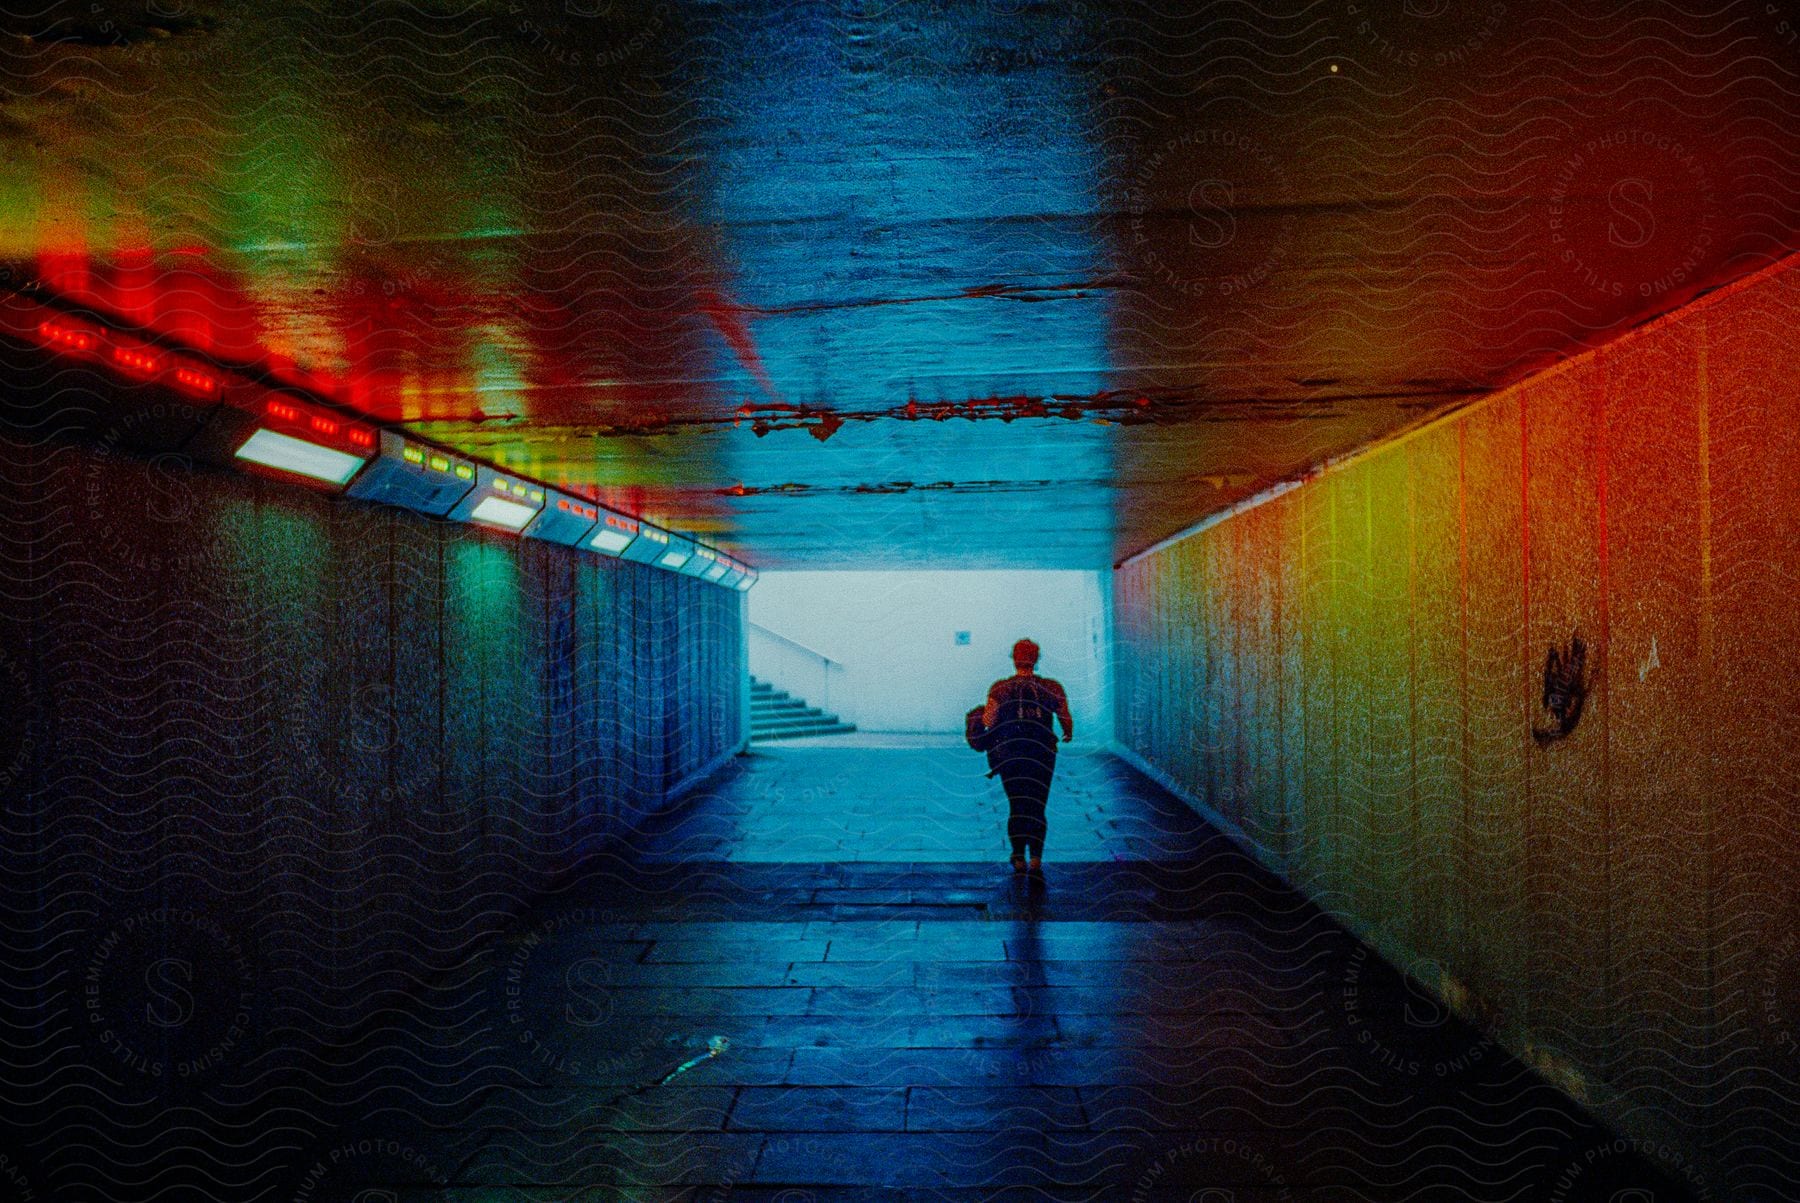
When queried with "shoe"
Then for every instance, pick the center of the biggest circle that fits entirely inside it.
(1037, 867)
(1018, 864)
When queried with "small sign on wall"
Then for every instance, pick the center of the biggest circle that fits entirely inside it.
(962, 639)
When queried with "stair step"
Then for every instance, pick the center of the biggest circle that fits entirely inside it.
(777, 714)
(801, 732)
(780, 708)
(814, 719)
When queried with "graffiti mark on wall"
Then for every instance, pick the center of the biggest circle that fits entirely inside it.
(1565, 690)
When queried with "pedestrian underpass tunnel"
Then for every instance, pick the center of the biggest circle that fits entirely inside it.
(513, 514)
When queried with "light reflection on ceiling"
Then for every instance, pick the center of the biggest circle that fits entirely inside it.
(1009, 283)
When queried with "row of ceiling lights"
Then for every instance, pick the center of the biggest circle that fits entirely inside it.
(275, 431)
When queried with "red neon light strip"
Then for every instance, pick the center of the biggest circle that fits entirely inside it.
(146, 364)
(195, 382)
(57, 334)
(137, 362)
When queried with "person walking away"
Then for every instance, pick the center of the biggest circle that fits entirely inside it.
(1022, 709)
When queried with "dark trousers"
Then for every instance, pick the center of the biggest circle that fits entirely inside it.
(1027, 788)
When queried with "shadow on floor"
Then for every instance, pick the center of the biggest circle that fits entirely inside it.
(819, 981)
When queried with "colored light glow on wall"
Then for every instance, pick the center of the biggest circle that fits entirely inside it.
(610, 541)
(288, 454)
(498, 511)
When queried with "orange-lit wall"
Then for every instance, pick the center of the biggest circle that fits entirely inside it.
(1350, 672)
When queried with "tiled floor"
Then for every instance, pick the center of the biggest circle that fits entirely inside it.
(915, 798)
(901, 1018)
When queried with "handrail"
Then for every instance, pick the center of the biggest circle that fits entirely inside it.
(811, 651)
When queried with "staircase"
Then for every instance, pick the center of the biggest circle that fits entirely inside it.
(774, 714)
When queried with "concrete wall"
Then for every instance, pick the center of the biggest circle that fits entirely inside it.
(1350, 675)
(278, 763)
(894, 633)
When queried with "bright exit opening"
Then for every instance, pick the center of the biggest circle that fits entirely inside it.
(909, 652)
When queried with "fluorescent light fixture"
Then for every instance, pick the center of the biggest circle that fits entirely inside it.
(718, 570)
(413, 475)
(675, 558)
(275, 450)
(743, 586)
(611, 540)
(564, 519)
(498, 511)
(650, 544)
(499, 499)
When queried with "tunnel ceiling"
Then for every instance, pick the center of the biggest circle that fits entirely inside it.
(1011, 282)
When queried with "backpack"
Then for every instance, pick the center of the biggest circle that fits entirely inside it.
(1026, 723)
(981, 737)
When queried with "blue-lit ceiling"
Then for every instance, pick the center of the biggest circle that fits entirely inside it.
(1004, 283)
